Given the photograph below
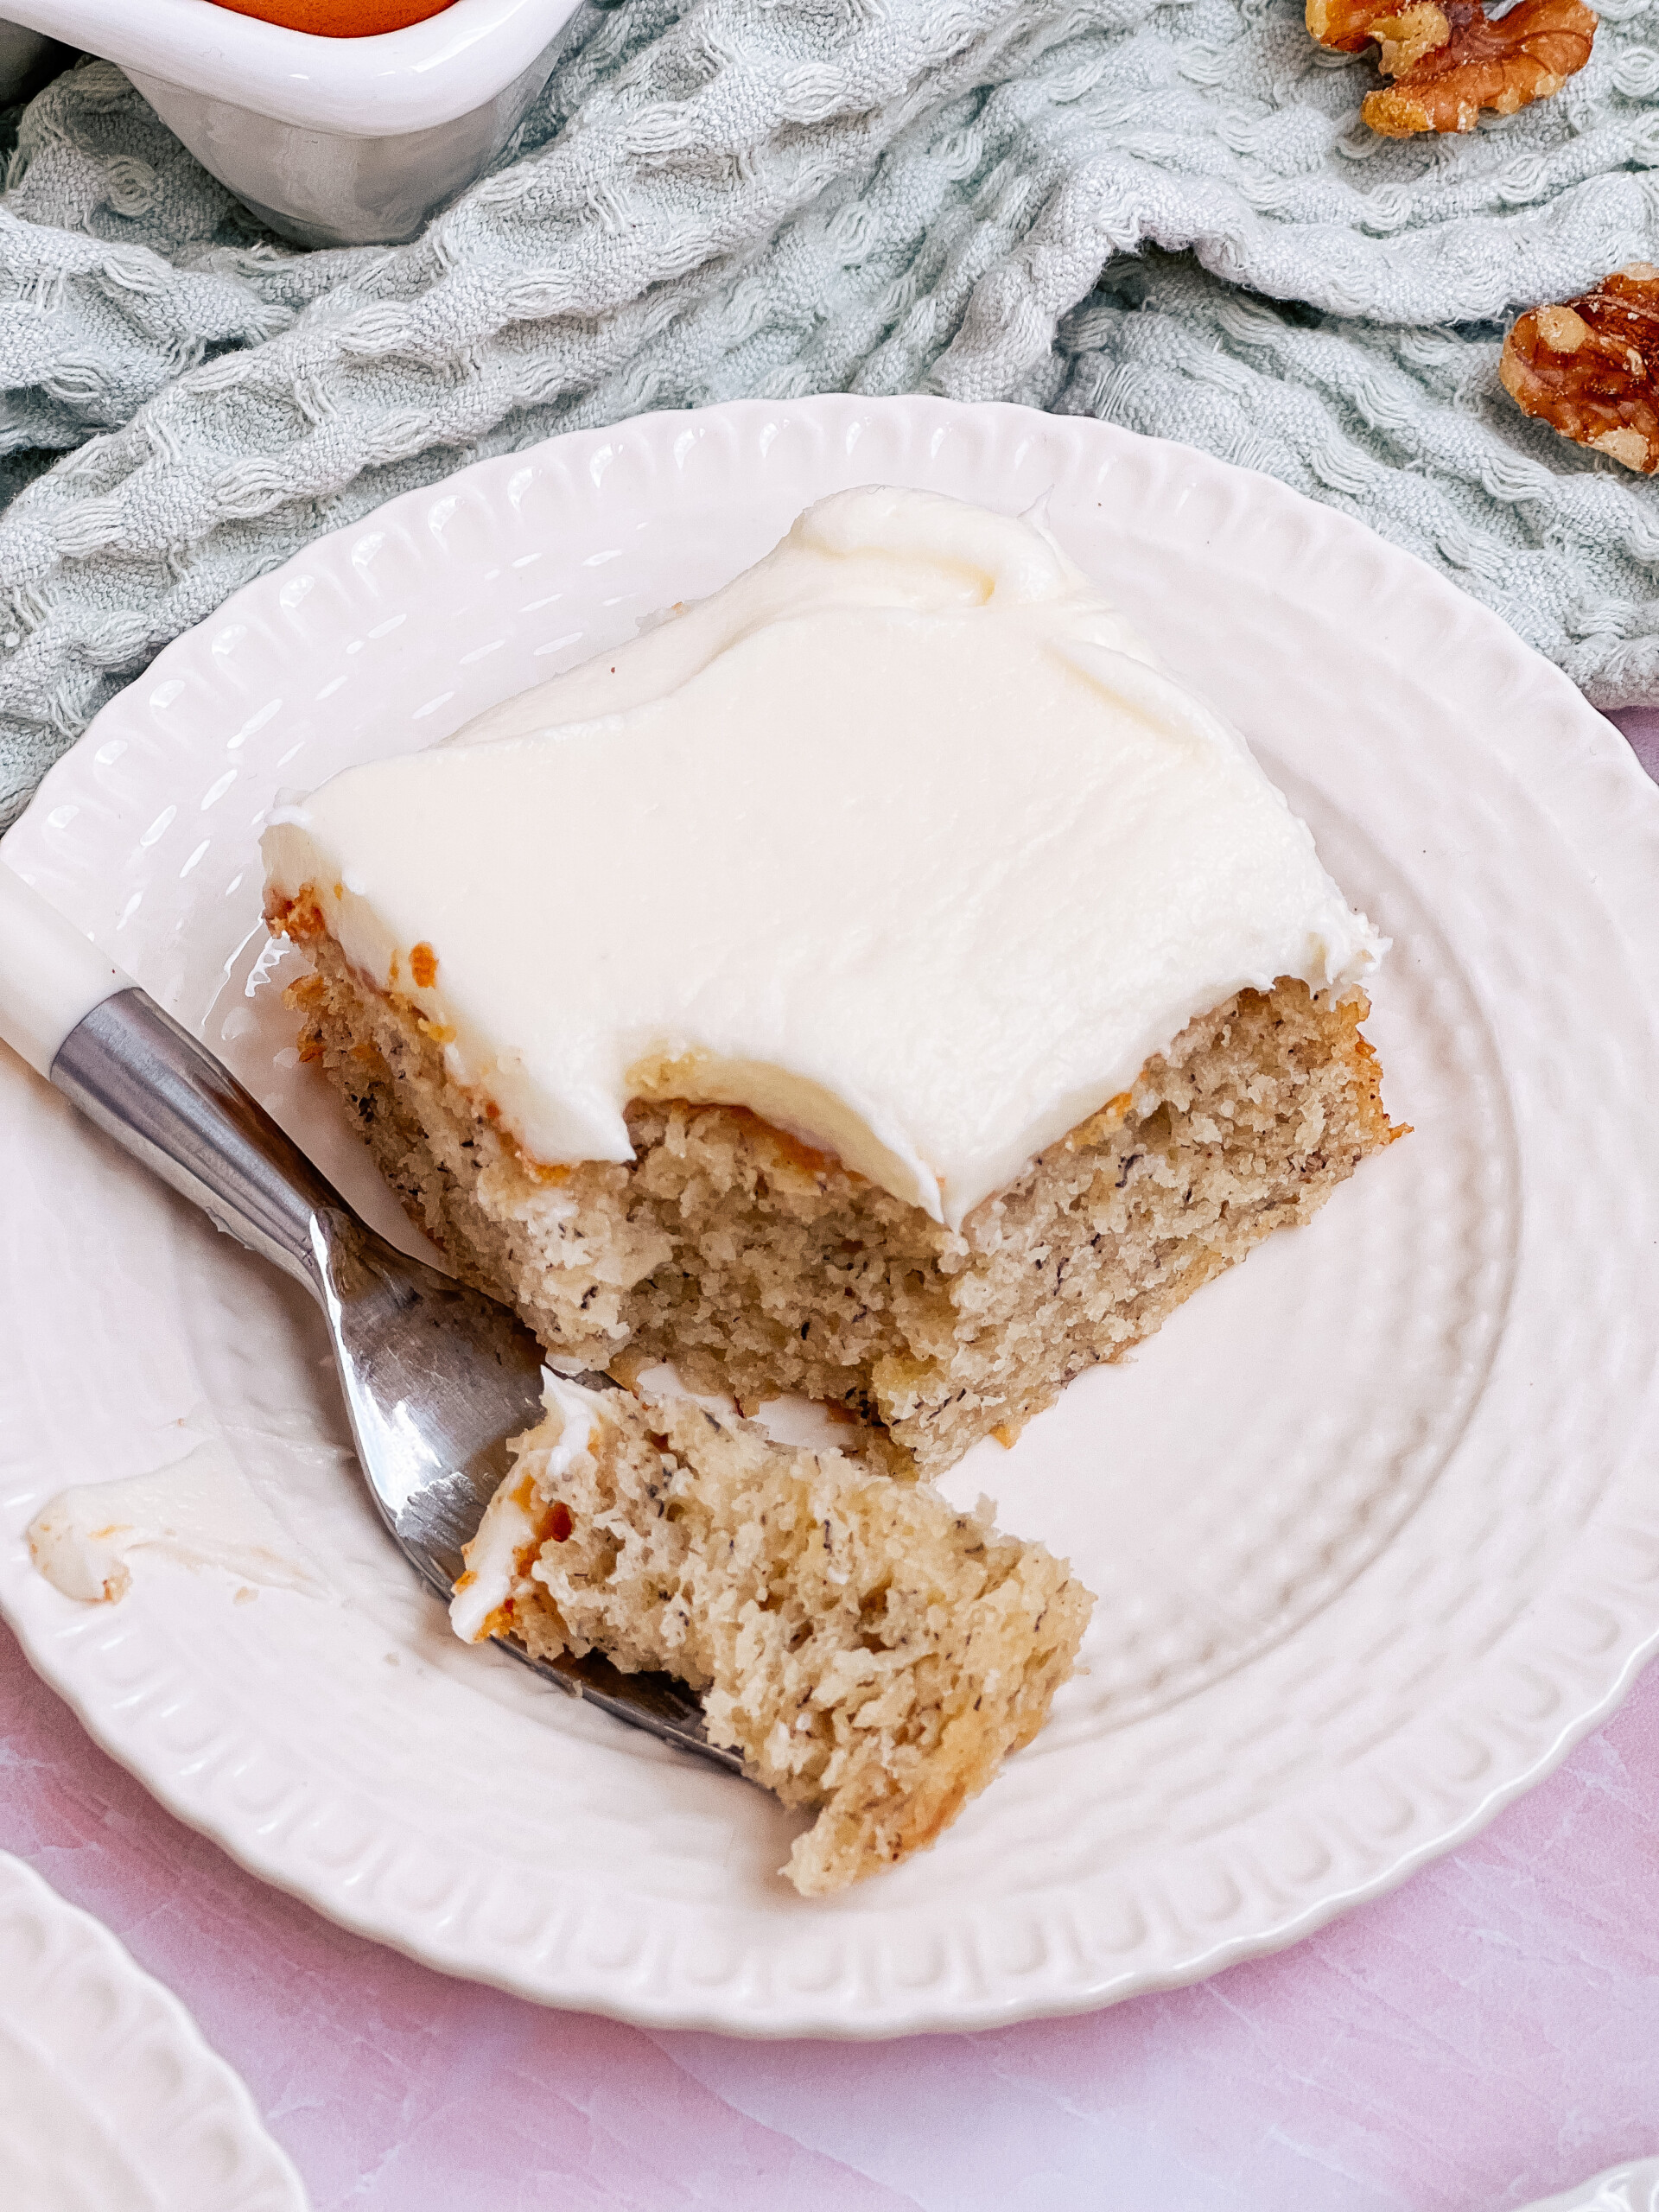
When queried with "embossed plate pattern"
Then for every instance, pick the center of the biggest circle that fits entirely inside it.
(1372, 1521)
(109, 2101)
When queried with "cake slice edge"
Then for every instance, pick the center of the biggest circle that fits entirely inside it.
(873, 1653)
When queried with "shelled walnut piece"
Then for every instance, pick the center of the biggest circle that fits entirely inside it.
(1589, 367)
(1449, 61)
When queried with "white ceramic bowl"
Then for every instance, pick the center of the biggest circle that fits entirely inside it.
(331, 140)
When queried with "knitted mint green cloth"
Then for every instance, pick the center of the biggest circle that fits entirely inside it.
(717, 198)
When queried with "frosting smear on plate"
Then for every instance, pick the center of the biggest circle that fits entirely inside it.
(903, 841)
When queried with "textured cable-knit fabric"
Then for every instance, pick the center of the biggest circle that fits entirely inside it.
(722, 198)
(1407, 430)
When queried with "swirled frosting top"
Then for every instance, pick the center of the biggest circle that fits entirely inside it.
(903, 840)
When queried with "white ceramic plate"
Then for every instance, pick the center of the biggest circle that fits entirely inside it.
(1372, 1521)
(109, 2101)
(1621, 2188)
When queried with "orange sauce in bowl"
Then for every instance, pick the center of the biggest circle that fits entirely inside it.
(339, 18)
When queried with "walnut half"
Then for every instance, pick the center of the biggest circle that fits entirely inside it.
(1590, 367)
(1449, 61)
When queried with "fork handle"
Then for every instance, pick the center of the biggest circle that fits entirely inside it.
(144, 1079)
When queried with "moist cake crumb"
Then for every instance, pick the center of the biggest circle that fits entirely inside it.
(871, 1652)
(760, 1267)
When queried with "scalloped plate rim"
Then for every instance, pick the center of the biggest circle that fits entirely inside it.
(433, 1949)
(215, 2082)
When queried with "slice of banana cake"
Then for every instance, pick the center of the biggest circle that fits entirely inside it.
(873, 1653)
(880, 981)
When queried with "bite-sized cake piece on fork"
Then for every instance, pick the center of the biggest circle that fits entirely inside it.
(872, 1653)
(880, 981)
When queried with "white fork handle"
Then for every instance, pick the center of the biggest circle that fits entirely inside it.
(51, 976)
(146, 1082)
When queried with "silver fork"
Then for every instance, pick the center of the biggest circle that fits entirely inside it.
(435, 1377)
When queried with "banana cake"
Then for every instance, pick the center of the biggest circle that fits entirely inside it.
(872, 1653)
(880, 981)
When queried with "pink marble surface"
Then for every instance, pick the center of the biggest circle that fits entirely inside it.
(1487, 2035)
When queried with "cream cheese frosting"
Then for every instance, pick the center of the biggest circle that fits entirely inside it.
(516, 1524)
(202, 1512)
(903, 840)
